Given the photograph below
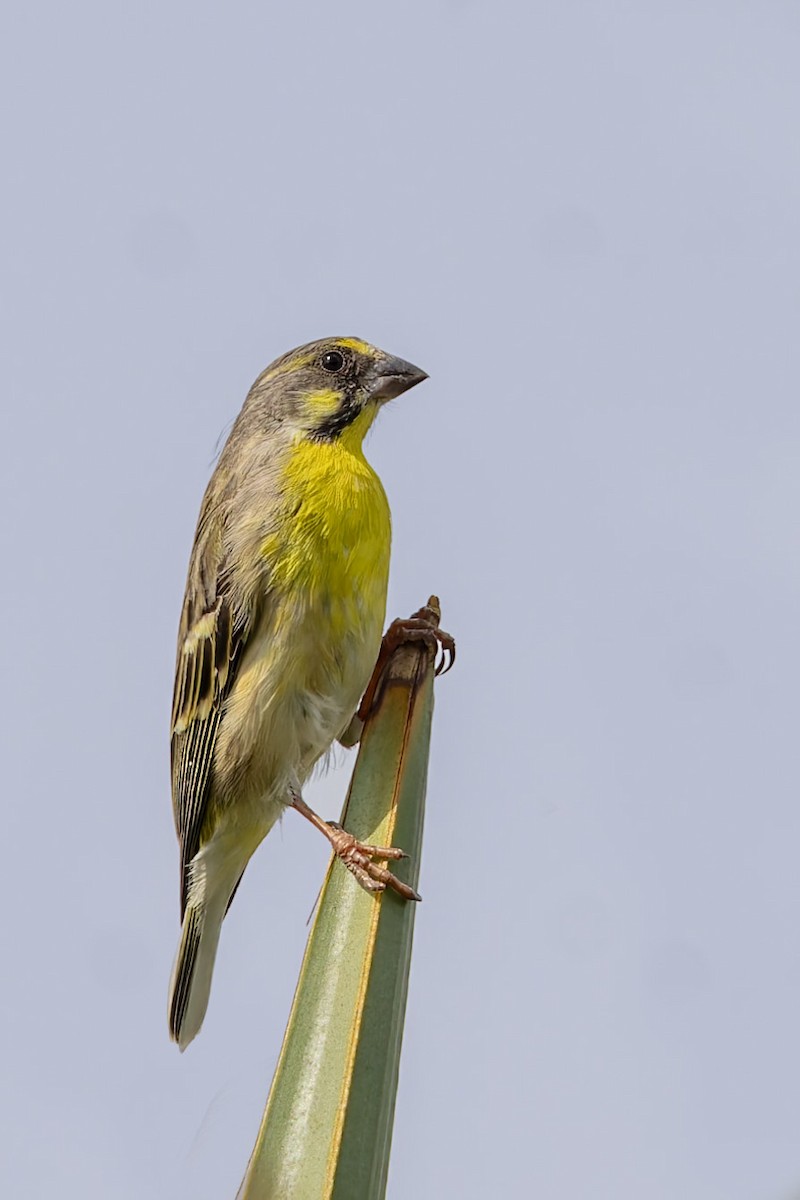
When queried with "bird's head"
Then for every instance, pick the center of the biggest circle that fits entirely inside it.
(332, 388)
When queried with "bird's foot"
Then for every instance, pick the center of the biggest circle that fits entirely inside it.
(422, 626)
(358, 858)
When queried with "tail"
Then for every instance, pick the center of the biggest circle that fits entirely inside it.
(190, 985)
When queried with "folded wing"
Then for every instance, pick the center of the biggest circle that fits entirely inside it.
(210, 642)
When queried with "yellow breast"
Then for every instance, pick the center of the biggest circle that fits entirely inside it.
(331, 549)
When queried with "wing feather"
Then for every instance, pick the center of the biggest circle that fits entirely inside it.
(212, 635)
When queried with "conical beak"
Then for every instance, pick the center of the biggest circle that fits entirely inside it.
(393, 376)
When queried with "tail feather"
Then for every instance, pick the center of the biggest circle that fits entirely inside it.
(183, 978)
(214, 874)
(190, 985)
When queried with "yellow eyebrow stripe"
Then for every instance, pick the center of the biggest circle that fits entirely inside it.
(304, 360)
(357, 345)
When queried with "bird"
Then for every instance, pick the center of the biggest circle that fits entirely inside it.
(280, 632)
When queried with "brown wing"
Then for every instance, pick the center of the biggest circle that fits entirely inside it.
(212, 635)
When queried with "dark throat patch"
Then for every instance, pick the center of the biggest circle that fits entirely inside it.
(334, 425)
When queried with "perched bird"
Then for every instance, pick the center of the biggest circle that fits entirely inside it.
(280, 630)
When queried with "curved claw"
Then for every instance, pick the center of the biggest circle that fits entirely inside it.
(448, 656)
(421, 627)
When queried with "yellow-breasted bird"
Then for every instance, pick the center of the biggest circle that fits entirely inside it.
(280, 630)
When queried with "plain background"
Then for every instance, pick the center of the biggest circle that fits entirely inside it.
(582, 220)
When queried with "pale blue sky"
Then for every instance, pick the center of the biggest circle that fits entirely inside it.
(582, 220)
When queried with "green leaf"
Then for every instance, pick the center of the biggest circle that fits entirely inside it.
(327, 1127)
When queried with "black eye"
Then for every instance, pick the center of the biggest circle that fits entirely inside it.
(333, 360)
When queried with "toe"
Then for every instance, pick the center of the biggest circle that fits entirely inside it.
(383, 851)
